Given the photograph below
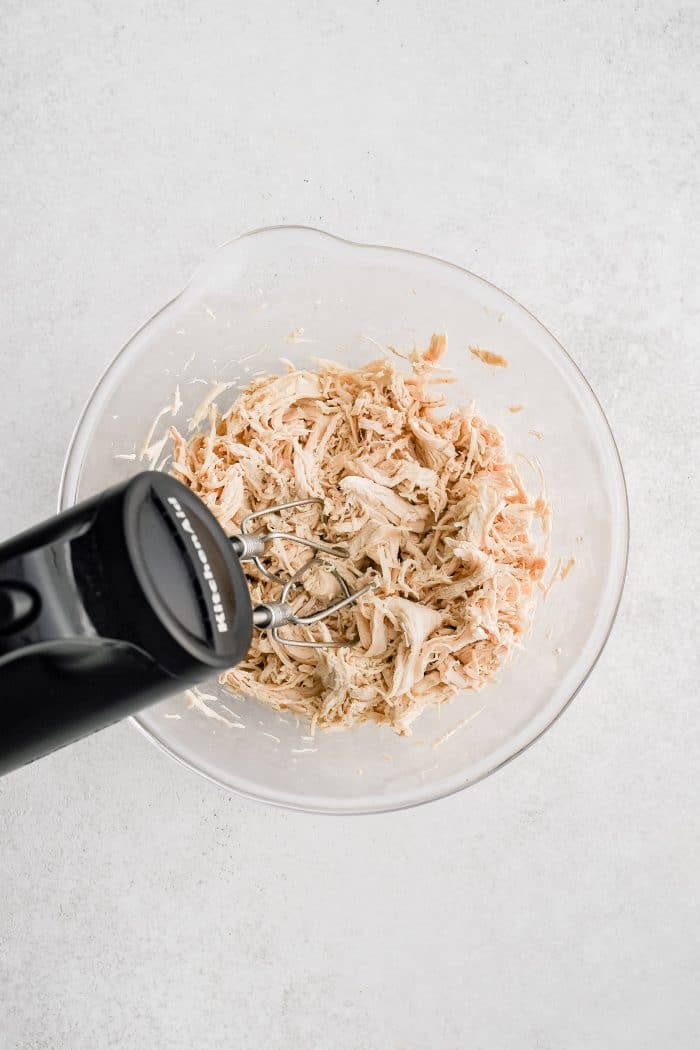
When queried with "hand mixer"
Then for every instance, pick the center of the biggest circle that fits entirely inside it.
(127, 598)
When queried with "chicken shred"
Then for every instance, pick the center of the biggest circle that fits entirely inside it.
(488, 357)
(427, 501)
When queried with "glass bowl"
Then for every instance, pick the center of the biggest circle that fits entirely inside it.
(299, 293)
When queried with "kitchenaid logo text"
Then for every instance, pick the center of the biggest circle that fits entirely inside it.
(219, 614)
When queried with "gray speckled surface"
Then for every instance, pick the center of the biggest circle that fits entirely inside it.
(553, 148)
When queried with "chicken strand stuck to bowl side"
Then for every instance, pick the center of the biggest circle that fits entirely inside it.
(428, 502)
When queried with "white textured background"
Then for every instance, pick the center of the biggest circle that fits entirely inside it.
(552, 147)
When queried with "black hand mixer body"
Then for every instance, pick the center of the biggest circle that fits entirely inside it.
(119, 602)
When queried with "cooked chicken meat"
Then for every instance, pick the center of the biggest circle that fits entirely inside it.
(430, 506)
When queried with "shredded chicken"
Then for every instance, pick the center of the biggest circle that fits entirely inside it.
(429, 505)
(488, 357)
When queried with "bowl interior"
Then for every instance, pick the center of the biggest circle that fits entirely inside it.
(300, 294)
